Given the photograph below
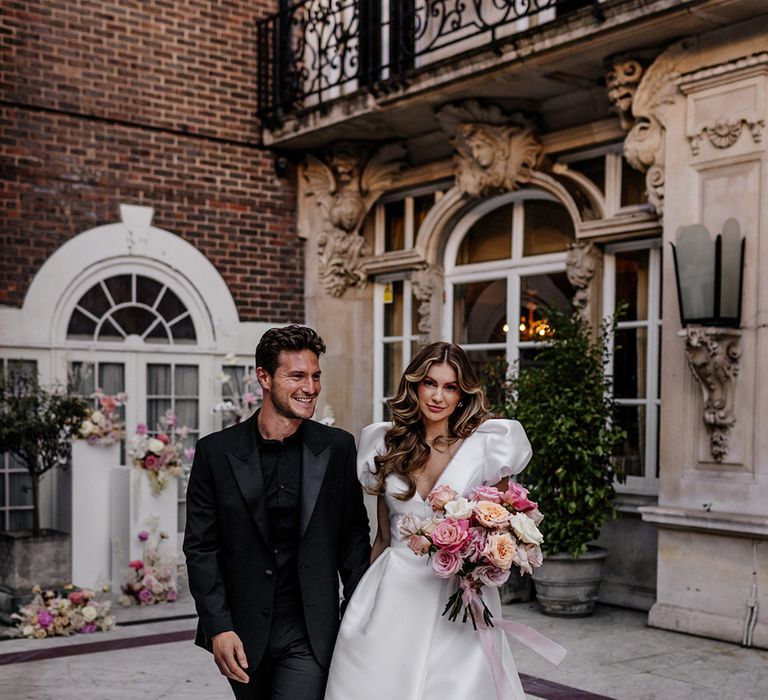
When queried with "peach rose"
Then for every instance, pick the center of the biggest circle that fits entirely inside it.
(419, 544)
(440, 495)
(428, 527)
(492, 515)
(500, 550)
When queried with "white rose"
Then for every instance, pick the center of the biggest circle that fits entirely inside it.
(89, 613)
(526, 529)
(96, 417)
(155, 445)
(86, 428)
(408, 525)
(460, 509)
(28, 630)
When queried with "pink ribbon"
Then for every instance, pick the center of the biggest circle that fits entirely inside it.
(534, 640)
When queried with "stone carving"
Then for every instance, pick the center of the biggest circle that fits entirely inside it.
(424, 284)
(580, 266)
(644, 144)
(713, 356)
(495, 152)
(622, 80)
(345, 182)
(723, 133)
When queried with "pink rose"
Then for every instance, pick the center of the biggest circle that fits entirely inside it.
(475, 545)
(485, 493)
(492, 515)
(440, 495)
(171, 596)
(150, 462)
(445, 564)
(170, 418)
(141, 429)
(143, 536)
(145, 596)
(163, 438)
(44, 619)
(535, 515)
(535, 557)
(189, 453)
(249, 397)
(517, 497)
(419, 544)
(136, 564)
(490, 575)
(77, 597)
(408, 525)
(451, 535)
(521, 559)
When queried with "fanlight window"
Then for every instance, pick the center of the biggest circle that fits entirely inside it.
(131, 305)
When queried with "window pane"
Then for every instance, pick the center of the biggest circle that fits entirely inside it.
(629, 363)
(421, 207)
(394, 225)
(184, 331)
(187, 414)
(109, 331)
(632, 185)
(133, 319)
(234, 387)
(20, 489)
(22, 368)
(112, 378)
(95, 301)
(536, 291)
(159, 380)
(156, 409)
(480, 359)
(593, 168)
(480, 312)
(170, 306)
(393, 367)
(490, 238)
(119, 288)
(80, 326)
(185, 380)
(630, 454)
(157, 334)
(632, 283)
(528, 357)
(147, 290)
(393, 308)
(20, 520)
(548, 228)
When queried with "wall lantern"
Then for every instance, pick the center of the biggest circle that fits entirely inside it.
(709, 275)
(709, 284)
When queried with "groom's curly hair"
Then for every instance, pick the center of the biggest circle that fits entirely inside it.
(406, 449)
(289, 338)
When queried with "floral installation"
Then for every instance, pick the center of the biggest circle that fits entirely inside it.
(243, 396)
(102, 426)
(478, 541)
(161, 455)
(52, 614)
(150, 580)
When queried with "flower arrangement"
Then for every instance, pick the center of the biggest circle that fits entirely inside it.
(102, 425)
(478, 540)
(241, 395)
(160, 455)
(151, 579)
(50, 614)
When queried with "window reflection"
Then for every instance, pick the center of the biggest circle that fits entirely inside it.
(480, 312)
(490, 238)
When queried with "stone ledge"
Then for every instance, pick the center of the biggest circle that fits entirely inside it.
(734, 524)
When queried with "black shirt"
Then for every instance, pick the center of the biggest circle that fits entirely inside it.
(281, 472)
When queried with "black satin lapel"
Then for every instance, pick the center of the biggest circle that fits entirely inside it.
(251, 484)
(312, 473)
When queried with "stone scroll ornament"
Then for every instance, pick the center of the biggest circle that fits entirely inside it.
(713, 356)
(425, 283)
(580, 267)
(345, 182)
(495, 152)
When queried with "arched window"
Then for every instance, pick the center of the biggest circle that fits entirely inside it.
(131, 305)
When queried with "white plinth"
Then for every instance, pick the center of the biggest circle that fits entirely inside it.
(91, 469)
(136, 508)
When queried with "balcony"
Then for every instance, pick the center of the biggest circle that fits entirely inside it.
(372, 69)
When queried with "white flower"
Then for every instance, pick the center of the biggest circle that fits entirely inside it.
(155, 445)
(230, 357)
(526, 529)
(223, 377)
(459, 509)
(86, 428)
(89, 613)
(408, 525)
(96, 417)
(28, 630)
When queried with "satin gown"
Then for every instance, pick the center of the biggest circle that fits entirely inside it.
(393, 643)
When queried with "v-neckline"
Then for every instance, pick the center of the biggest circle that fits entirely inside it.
(423, 499)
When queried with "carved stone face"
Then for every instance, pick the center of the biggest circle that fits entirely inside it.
(344, 165)
(479, 144)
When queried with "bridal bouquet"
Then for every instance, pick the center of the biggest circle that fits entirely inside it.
(160, 455)
(150, 579)
(102, 425)
(478, 540)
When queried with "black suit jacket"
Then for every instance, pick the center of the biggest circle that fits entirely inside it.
(230, 561)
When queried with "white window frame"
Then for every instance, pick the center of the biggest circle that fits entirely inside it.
(648, 484)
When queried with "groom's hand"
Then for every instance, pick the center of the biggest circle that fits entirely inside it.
(229, 655)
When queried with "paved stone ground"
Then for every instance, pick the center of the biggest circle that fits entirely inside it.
(612, 654)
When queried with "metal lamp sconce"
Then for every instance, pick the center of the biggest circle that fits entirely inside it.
(710, 276)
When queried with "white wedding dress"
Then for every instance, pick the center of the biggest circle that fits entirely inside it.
(394, 643)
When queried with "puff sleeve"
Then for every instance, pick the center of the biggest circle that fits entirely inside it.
(507, 449)
(371, 444)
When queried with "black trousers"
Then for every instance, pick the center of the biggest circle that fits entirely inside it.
(288, 670)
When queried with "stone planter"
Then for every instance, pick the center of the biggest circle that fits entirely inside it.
(568, 587)
(26, 560)
(517, 587)
(91, 472)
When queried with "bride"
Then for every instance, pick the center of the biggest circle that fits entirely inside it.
(394, 641)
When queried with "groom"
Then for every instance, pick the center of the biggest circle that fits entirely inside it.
(274, 515)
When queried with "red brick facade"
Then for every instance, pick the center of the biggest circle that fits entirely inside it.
(149, 103)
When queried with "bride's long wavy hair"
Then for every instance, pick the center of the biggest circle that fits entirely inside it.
(406, 449)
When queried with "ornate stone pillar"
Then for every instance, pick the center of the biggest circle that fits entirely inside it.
(427, 285)
(581, 264)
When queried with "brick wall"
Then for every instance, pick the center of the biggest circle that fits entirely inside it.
(147, 103)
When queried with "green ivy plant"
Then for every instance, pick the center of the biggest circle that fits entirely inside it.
(37, 425)
(565, 403)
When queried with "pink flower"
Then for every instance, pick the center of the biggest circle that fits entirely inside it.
(521, 559)
(492, 515)
(108, 403)
(170, 418)
(145, 595)
(150, 462)
(490, 575)
(535, 557)
(500, 550)
(171, 596)
(249, 397)
(445, 564)
(517, 497)
(77, 597)
(189, 452)
(143, 536)
(419, 544)
(163, 438)
(141, 429)
(535, 515)
(89, 628)
(44, 619)
(439, 496)
(136, 564)
(475, 544)
(485, 493)
(451, 535)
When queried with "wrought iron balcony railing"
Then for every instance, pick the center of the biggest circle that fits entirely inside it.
(312, 52)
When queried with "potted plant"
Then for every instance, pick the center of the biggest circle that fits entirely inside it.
(36, 425)
(565, 403)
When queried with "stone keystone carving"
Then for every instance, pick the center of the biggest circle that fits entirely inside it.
(346, 181)
(622, 80)
(495, 152)
(425, 284)
(580, 267)
(713, 356)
